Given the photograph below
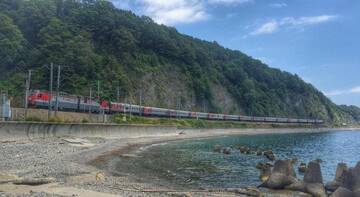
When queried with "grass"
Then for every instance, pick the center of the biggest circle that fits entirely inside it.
(194, 123)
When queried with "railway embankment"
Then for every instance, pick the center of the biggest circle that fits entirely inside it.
(34, 130)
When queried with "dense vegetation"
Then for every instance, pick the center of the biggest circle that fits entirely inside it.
(94, 41)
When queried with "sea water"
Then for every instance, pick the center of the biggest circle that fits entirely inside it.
(193, 163)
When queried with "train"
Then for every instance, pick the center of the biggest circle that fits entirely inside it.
(65, 102)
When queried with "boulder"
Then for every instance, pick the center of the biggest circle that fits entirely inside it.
(355, 181)
(259, 153)
(302, 167)
(282, 175)
(243, 149)
(284, 167)
(269, 164)
(316, 189)
(341, 177)
(227, 151)
(342, 192)
(332, 185)
(313, 173)
(297, 186)
(265, 174)
(341, 167)
(279, 181)
(270, 155)
(217, 148)
(260, 166)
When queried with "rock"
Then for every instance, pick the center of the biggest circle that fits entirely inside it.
(332, 186)
(302, 167)
(284, 167)
(342, 192)
(259, 153)
(243, 149)
(99, 176)
(316, 189)
(355, 174)
(270, 155)
(227, 151)
(279, 181)
(297, 186)
(260, 166)
(265, 174)
(269, 164)
(313, 173)
(217, 148)
(294, 161)
(341, 168)
(318, 160)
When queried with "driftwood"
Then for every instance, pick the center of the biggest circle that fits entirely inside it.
(28, 181)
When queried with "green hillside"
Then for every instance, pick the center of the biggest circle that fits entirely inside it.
(94, 41)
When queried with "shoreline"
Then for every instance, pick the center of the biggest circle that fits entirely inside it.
(72, 165)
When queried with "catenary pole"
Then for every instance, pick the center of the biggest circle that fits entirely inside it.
(58, 90)
(50, 89)
(28, 83)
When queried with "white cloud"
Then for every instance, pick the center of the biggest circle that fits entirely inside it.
(278, 5)
(354, 90)
(267, 28)
(170, 12)
(228, 1)
(291, 22)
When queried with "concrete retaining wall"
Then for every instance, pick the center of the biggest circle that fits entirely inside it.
(18, 114)
(29, 130)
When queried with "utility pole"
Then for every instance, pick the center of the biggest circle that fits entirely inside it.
(50, 91)
(98, 90)
(118, 94)
(90, 100)
(28, 83)
(57, 90)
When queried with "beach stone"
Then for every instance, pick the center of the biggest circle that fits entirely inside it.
(284, 167)
(342, 192)
(297, 186)
(313, 173)
(302, 167)
(217, 148)
(316, 189)
(227, 151)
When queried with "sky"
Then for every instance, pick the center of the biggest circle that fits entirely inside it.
(319, 40)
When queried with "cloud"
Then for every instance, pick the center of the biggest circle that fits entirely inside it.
(267, 28)
(292, 22)
(175, 11)
(171, 12)
(228, 1)
(278, 5)
(354, 90)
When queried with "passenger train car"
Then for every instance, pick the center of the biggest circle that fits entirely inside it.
(41, 99)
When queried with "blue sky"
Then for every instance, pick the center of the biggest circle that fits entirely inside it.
(317, 39)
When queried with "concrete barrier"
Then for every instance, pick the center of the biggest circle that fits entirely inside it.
(33, 130)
